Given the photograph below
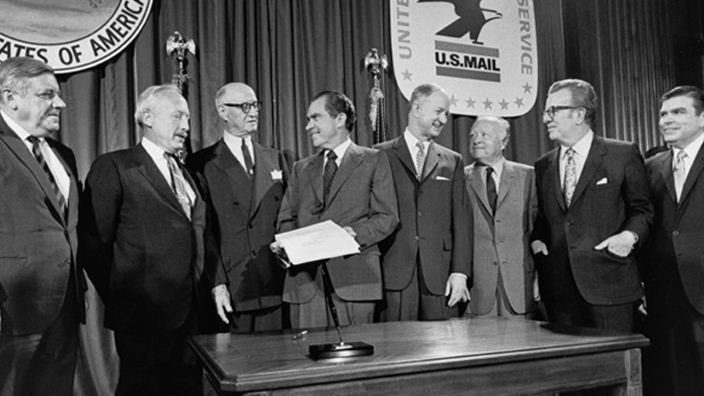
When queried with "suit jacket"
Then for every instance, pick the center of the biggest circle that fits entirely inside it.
(244, 216)
(611, 196)
(145, 257)
(361, 197)
(436, 223)
(37, 245)
(502, 239)
(675, 250)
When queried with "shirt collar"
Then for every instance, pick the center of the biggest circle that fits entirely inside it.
(21, 132)
(498, 167)
(412, 140)
(341, 149)
(236, 140)
(154, 151)
(692, 149)
(581, 148)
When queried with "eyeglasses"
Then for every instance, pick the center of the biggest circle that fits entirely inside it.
(246, 107)
(550, 111)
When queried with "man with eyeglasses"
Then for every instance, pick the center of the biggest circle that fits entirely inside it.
(41, 285)
(593, 209)
(245, 182)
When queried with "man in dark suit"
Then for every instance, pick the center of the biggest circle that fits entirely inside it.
(41, 286)
(246, 182)
(428, 259)
(504, 205)
(593, 208)
(144, 245)
(353, 187)
(673, 257)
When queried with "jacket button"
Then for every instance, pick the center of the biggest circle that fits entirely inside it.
(417, 238)
(253, 253)
(675, 232)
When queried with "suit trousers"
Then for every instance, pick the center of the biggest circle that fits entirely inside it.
(573, 309)
(159, 364)
(42, 364)
(673, 364)
(257, 320)
(416, 302)
(316, 312)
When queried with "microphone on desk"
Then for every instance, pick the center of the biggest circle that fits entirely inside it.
(343, 349)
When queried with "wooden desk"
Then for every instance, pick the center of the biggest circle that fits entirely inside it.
(468, 357)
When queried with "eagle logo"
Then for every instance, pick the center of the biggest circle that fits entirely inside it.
(472, 19)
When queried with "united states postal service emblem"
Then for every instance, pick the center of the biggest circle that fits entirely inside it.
(70, 35)
(483, 52)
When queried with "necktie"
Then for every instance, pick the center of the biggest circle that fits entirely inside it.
(420, 160)
(570, 181)
(491, 189)
(247, 160)
(36, 150)
(679, 171)
(178, 183)
(330, 169)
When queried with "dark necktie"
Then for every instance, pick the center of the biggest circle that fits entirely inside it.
(247, 160)
(36, 150)
(491, 189)
(330, 169)
(178, 184)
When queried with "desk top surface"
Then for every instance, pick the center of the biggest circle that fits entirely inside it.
(257, 361)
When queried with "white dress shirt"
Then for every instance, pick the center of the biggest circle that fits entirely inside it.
(234, 143)
(157, 155)
(581, 150)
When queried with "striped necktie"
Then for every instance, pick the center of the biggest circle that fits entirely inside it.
(330, 170)
(178, 184)
(420, 159)
(36, 150)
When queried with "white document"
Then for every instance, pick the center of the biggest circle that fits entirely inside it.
(317, 242)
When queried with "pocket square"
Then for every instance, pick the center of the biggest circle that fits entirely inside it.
(602, 181)
(276, 175)
(441, 178)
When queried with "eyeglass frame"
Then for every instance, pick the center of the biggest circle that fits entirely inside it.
(245, 107)
(550, 111)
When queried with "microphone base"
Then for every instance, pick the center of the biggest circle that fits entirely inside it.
(340, 350)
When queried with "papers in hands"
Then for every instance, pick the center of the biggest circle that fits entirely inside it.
(317, 242)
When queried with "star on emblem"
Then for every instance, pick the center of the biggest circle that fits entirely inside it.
(519, 102)
(504, 104)
(407, 75)
(527, 88)
(487, 104)
(470, 102)
(453, 101)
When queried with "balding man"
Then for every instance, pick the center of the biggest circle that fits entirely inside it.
(428, 259)
(504, 204)
(245, 182)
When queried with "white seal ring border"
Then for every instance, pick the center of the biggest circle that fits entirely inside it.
(105, 42)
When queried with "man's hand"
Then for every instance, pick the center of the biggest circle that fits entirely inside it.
(456, 288)
(619, 244)
(279, 251)
(350, 231)
(539, 247)
(222, 301)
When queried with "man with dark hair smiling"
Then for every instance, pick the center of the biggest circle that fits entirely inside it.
(353, 187)
(673, 257)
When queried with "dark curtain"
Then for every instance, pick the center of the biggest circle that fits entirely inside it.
(289, 50)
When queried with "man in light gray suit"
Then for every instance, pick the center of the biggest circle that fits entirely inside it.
(505, 204)
(353, 187)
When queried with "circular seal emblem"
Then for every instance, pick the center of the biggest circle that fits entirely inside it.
(70, 35)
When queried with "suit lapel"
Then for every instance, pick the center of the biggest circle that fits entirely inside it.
(227, 162)
(265, 163)
(592, 163)
(73, 187)
(314, 172)
(17, 146)
(667, 175)
(553, 178)
(477, 185)
(693, 175)
(154, 176)
(350, 161)
(431, 160)
(401, 150)
(508, 177)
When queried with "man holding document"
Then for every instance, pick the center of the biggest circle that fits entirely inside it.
(351, 186)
